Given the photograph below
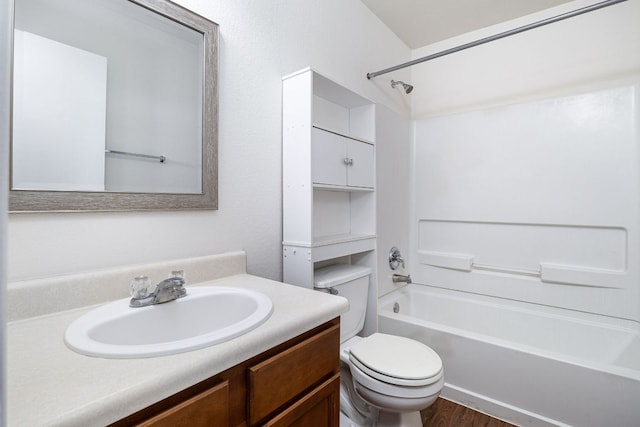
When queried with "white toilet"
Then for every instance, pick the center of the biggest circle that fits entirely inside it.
(385, 379)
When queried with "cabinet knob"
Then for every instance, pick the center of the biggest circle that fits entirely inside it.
(348, 161)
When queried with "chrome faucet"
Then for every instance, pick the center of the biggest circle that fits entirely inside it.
(399, 278)
(167, 290)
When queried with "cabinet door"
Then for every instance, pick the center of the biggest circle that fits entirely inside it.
(328, 158)
(361, 164)
(285, 376)
(319, 408)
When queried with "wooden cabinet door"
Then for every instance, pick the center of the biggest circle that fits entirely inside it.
(209, 408)
(289, 374)
(319, 408)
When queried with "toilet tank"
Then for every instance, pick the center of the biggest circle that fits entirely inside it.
(351, 282)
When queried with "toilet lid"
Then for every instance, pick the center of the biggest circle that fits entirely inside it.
(396, 357)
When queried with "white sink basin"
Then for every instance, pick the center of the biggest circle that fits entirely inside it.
(207, 315)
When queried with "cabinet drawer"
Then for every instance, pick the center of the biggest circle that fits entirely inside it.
(211, 407)
(287, 375)
(319, 408)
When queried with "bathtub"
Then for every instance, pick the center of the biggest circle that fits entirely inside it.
(527, 364)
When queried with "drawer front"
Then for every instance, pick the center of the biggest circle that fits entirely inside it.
(288, 375)
(206, 409)
(320, 408)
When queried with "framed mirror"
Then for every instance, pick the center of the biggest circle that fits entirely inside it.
(114, 107)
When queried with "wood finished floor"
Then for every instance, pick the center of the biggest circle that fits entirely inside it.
(444, 413)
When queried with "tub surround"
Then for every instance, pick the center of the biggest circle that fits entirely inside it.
(563, 236)
(48, 384)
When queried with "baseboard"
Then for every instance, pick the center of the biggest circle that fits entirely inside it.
(496, 408)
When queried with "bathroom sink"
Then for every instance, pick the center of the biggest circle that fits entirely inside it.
(207, 315)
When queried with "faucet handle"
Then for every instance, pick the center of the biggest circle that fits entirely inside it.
(139, 287)
(180, 281)
(395, 258)
(178, 274)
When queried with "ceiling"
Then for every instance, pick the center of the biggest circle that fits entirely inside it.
(422, 22)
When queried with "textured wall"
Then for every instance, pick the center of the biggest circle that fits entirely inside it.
(5, 72)
(260, 43)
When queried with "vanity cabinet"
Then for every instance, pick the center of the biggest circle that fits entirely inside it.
(295, 383)
(328, 171)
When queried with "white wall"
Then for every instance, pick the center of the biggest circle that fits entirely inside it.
(65, 152)
(393, 148)
(260, 43)
(5, 87)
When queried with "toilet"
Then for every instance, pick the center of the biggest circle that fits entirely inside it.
(385, 380)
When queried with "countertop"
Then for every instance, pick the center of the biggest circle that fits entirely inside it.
(50, 385)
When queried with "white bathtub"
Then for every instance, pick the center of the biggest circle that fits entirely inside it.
(529, 365)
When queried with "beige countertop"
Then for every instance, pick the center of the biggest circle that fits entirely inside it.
(50, 385)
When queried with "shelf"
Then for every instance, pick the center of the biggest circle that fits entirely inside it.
(336, 93)
(356, 138)
(330, 247)
(329, 187)
(336, 239)
(339, 239)
(335, 246)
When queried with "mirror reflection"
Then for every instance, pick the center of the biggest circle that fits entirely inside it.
(108, 96)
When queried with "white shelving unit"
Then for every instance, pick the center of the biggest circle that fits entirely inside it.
(328, 137)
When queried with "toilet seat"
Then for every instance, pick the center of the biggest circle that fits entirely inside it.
(396, 360)
(366, 381)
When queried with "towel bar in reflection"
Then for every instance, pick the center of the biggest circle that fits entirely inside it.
(162, 159)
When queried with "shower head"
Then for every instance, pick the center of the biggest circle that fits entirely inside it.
(407, 87)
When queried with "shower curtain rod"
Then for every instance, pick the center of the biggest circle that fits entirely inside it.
(498, 36)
